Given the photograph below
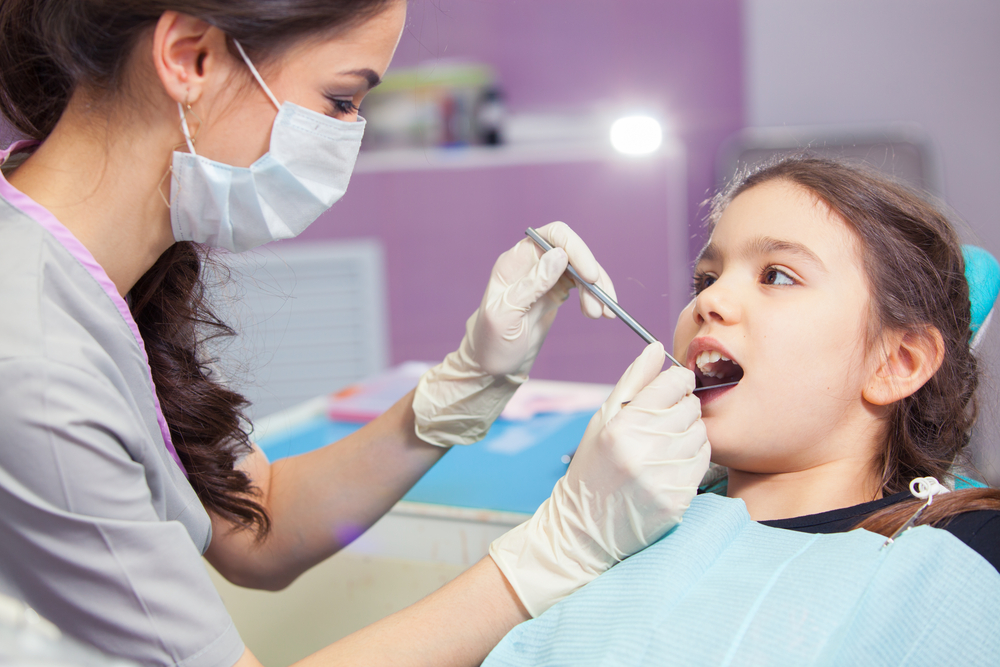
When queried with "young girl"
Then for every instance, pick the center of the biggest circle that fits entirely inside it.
(838, 300)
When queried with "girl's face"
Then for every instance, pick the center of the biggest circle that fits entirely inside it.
(780, 291)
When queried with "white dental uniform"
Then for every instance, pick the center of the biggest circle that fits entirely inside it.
(100, 531)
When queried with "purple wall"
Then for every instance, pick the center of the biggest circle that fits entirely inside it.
(682, 56)
(443, 229)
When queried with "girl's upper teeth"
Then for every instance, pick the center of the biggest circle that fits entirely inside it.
(709, 357)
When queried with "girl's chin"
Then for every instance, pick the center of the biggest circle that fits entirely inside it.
(740, 456)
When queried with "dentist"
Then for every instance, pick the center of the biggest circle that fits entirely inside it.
(159, 129)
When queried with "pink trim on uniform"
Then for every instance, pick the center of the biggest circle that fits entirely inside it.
(65, 237)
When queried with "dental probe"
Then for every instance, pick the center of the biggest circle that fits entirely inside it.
(602, 295)
(615, 308)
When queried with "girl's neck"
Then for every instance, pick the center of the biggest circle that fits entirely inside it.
(832, 485)
(100, 180)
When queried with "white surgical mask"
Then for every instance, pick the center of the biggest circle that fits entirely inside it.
(305, 171)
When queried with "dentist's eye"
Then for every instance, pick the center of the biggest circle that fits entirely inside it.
(775, 276)
(701, 282)
(341, 106)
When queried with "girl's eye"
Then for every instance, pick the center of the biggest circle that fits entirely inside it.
(701, 282)
(342, 107)
(774, 276)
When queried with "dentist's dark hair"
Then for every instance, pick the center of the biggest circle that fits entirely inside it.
(915, 270)
(50, 49)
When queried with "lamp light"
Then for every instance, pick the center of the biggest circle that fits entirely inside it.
(636, 135)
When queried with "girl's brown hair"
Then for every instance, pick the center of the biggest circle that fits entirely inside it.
(51, 48)
(916, 276)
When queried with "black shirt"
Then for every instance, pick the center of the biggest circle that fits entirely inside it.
(980, 529)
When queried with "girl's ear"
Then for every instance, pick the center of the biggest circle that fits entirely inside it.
(909, 359)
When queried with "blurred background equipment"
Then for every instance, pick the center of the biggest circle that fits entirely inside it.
(309, 319)
(902, 150)
(438, 103)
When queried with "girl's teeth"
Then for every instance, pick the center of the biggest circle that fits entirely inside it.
(709, 357)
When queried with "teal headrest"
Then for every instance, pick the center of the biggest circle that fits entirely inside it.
(983, 275)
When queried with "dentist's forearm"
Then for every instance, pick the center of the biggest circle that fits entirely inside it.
(459, 624)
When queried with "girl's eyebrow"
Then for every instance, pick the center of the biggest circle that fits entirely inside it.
(763, 245)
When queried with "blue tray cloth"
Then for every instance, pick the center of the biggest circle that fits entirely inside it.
(512, 470)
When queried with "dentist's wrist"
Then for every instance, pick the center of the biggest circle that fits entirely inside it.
(456, 403)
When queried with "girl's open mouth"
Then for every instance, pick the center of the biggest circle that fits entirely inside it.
(713, 368)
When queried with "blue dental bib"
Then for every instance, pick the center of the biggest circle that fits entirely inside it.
(721, 589)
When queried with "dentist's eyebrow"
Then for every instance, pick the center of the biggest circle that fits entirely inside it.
(368, 74)
(766, 245)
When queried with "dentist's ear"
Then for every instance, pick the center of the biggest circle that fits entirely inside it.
(185, 54)
(908, 360)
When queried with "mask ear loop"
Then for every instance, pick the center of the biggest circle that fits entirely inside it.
(256, 75)
(189, 139)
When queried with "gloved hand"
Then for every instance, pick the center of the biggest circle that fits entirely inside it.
(632, 477)
(458, 400)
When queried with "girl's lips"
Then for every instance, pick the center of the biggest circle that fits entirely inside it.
(706, 396)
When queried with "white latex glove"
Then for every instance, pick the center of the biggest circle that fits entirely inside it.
(458, 400)
(631, 479)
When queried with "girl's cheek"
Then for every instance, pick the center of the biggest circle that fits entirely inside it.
(684, 331)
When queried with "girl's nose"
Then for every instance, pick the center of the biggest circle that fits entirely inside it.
(716, 303)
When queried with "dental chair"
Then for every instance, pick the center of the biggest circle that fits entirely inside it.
(983, 275)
